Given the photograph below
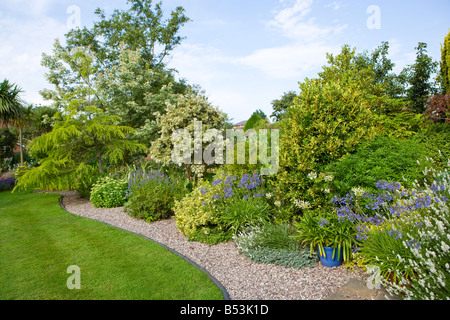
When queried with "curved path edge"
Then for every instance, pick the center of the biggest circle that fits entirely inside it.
(211, 277)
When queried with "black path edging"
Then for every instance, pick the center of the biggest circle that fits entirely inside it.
(213, 279)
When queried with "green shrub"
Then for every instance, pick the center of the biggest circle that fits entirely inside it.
(86, 177)
(250, 124)
(215, 210)
(152, 195)
(108, 192)
(329, 120)
(400, 124)
(283, 257)
(384, 247)
(384, 158)
(436, 138)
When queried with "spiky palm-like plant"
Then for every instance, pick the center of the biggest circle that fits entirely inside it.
(10, 101)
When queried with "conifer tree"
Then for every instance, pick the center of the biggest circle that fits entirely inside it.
(445, 65)
(86, 135)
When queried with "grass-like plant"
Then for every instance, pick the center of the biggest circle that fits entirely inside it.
(320, 229)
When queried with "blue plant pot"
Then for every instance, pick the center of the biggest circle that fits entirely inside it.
(328, 260)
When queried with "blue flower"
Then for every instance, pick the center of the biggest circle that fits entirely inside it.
(216, 182)
(413, 244)
(384, 185)
(323, 222)
(228, 192)
(395, 234)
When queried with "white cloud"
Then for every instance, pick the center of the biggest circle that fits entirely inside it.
(293, 22)
(306, 51)
(31, 7)
(202, 64)
(335, 5)
(290, 61)
(23, 42)
(276, 67)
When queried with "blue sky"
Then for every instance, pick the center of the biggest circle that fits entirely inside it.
(244, 53)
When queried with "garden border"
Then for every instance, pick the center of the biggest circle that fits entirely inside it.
(213, 279)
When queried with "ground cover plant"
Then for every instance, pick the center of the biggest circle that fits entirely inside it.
(39, 241)
(274, 244)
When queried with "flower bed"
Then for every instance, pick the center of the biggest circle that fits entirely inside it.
(7, 184)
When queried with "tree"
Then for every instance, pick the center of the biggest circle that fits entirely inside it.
(260, 113)
(13, 111)
(281, 105)
(43, 119)
(387, 86)
(183, 115)
(419, 75)
(86, 135)
(129, 51)
(135, 92)
(141, 27)
(445, 65)
(10, 101)
(20, 123)
(252, 121)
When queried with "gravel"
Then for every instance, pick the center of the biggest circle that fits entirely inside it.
(243, 279)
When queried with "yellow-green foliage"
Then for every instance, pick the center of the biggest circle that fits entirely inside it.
(445, 64)
(327, 121)
(193, 211)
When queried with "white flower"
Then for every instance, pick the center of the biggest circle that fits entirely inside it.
(302, 204)
(268, 195)
(312, 175)
(326, 190)
(444, 246)
(441, 226)
(328, 178)
(359, 192)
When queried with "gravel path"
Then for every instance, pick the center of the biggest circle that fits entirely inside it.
(242, 278)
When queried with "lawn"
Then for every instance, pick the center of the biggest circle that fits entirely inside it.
(39, 241)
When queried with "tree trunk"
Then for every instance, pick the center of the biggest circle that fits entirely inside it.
(100, 165)
(21, 144)
(188, 172)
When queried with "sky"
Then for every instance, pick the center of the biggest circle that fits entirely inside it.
(245, 53)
